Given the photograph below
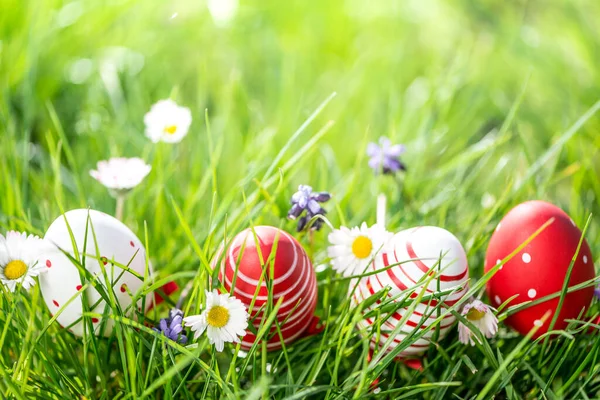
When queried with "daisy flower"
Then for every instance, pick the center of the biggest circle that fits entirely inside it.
(224, 318)
(121, 174)
(351, 250)
(481, 315)
(167, 122)
(19, 264)
(385, 156)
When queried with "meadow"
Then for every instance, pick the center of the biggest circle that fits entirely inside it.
(496, 102)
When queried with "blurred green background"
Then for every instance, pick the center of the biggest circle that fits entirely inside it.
(496, 102)
(478, 91)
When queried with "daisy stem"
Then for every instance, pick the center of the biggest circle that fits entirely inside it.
(120, 207)
(381, 200)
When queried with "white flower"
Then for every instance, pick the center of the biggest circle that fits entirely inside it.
(224, 318)
(480, 315)
(351, 250)
(19, 259)
(121, 174)
(167, 122)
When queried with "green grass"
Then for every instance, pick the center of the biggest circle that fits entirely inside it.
(491, 98)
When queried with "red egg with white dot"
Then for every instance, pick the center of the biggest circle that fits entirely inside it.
(266, 254)
(102, 243)
(412, 256)
(540, 268)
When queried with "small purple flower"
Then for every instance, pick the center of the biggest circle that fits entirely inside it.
(597, 292)
(385, 156)
(305, 200)
(172, 326)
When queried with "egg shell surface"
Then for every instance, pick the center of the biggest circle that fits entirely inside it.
(417, 252)
(540, 268)
(274, 256)
(62, 286)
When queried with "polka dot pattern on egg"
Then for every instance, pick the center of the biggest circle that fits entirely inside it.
(111, 245)
(539, 241)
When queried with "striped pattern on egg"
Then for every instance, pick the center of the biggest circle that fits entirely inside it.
(425, 246)
(61, 284)
(293, 279)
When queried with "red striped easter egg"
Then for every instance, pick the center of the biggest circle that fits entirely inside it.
(264, 255)
(404, 267)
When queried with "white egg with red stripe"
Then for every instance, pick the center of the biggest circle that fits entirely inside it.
(116, 245)
(405, 267)
(246, 266)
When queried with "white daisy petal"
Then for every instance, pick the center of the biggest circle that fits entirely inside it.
(121, 174)
(4, 257)
(27, 282)
(19, 259)
(352, 249)
(167, 122)
(482, 317)
(199, 330)
(338, 251)
(192, 320)
(340, 237)
(224, 318)
(10, 285)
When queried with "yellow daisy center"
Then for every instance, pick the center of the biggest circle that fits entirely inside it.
(362, 246)
(15, 269)
(475, 315)
(218, 316)
(171, 129)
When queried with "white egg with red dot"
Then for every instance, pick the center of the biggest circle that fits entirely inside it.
(120, 257)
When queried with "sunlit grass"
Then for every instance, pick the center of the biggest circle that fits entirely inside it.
(496, 102)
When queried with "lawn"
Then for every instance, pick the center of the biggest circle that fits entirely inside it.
(496, 103)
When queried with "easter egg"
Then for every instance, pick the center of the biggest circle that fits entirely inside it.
(117, 246)
(415, 255)
(275, 257)
(540, 268)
